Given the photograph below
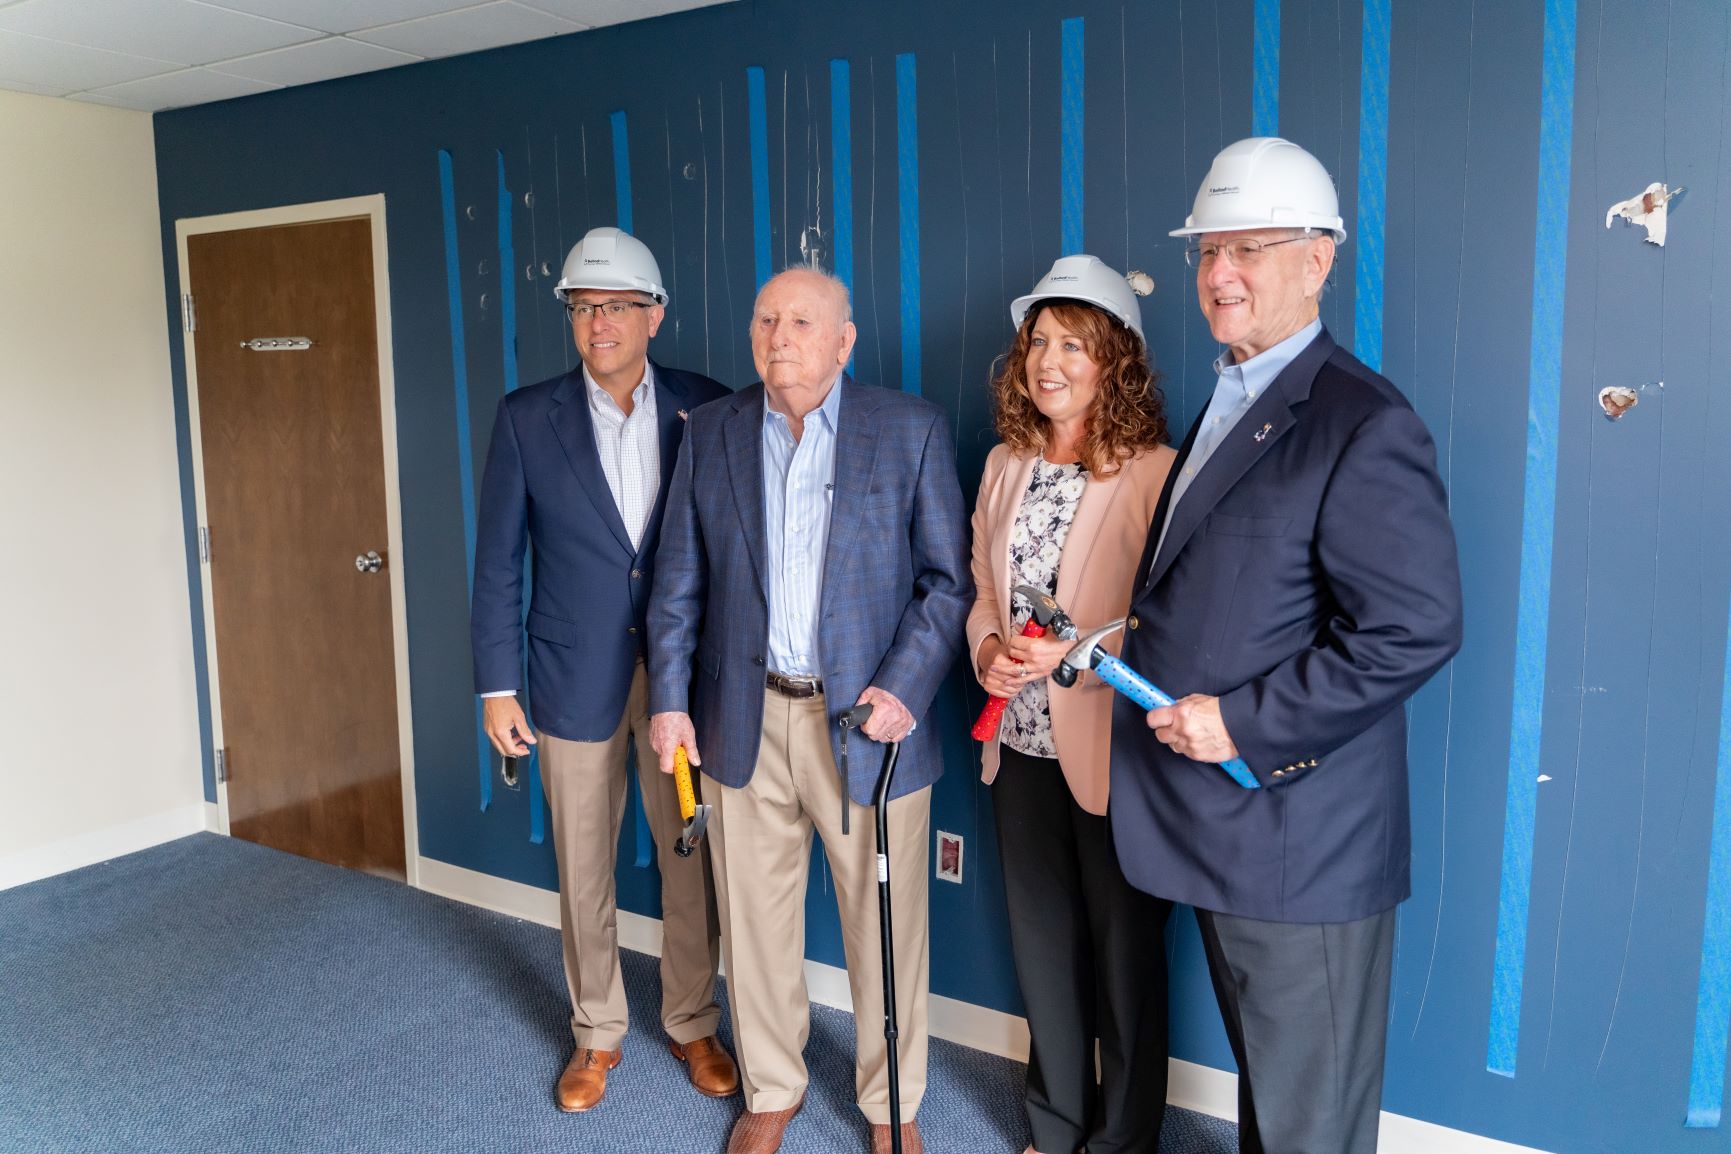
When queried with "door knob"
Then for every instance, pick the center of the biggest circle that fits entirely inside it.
(369, 562)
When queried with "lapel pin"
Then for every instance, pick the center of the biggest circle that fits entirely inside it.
(1262, 433)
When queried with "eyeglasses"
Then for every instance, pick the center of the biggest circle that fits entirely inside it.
(612, 310)
(1243, 253)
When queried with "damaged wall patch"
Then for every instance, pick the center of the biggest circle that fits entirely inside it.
(1646, 209)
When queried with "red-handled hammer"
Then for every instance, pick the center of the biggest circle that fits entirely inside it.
(1046, 615)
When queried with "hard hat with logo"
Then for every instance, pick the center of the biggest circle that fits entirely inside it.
(1087, 279)
(1264, 182)
(608, 258)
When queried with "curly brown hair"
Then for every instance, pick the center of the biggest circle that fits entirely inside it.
(1129, 413)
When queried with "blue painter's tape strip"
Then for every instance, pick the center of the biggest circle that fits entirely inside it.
(621, 173)
(841, 164)
(465, 442)
(1538, 523)
(1713, 994)
(1372, 184)
(758, 115)
(508, 349)
(908, 197)
(1070, 136)
(622, 212)
(1265, 77)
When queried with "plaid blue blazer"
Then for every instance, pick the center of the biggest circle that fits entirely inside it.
(896, 580)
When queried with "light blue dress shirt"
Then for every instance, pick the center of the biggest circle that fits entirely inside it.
(798, 488)
(1236, 388)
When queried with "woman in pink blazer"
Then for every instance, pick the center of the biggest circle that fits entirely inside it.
(1065, 505)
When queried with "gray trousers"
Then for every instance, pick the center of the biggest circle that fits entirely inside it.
(1306, 1012)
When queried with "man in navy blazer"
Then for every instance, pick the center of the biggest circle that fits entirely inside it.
(814, 556)
(579, 466)
(1300, 583)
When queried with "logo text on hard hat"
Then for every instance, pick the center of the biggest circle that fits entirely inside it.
(1223, 190)
(596, 260)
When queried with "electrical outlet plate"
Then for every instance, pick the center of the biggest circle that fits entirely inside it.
(949, 857)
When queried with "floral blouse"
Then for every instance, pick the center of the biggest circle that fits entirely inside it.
(1036, 543)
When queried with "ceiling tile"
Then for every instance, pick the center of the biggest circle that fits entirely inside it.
(180, 30)
(178, 89)
(308, 63)
(69, 67)
(33, 89)
(470, 30)
(112, 101)
(599, 12)
(343, 15)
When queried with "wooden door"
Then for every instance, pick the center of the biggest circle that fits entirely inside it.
(294, 493)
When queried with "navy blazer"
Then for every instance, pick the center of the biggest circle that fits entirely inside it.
(544, 484)
(1309, 580)
(896, 582)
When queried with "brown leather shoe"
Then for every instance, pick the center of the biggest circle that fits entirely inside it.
(585, 1079)
(911, 1143)
(713, 1073)
(760, 1133)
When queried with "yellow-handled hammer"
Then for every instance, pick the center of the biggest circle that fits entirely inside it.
(696, 816)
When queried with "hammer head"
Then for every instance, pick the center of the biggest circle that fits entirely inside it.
(693, 832)
(1085, 654)
(1048, 614)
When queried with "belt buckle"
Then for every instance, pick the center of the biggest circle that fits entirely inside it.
(798, 688)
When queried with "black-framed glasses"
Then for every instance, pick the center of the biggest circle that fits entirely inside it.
(1242, 252)
(612, 310)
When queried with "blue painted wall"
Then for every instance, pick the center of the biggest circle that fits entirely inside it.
(1564, 969)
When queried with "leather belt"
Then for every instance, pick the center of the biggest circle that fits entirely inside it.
(798, 688)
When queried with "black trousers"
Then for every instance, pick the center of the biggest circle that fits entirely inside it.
(1306, 1012)
(1091, 960)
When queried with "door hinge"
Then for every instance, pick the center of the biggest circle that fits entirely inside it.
(188, 312)
(204, 544)
(222, 765)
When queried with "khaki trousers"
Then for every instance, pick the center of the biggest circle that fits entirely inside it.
(761, 845)
(585, 783)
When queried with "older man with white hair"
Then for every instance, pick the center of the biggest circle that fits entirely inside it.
(814, 557)
(1300, 583)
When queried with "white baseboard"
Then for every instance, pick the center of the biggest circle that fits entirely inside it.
(99, 845)
(1189, 1085)
(212, 817)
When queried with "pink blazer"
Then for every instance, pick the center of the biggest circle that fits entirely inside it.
(1095, 572)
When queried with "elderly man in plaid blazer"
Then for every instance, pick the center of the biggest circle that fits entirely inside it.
(814, 555)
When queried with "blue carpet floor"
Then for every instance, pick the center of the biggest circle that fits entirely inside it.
(210, 995)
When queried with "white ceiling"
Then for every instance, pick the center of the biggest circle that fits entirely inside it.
(157, 54)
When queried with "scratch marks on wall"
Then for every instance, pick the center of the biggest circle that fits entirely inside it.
(1538, 526)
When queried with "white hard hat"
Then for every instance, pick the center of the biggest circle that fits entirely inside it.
(1087, 279)
(1264, 182)
(608, 258)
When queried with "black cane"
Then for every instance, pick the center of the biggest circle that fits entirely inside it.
(853, 719)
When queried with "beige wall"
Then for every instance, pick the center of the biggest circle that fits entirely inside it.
(99, 745)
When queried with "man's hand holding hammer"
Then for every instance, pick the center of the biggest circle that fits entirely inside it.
(669, 731)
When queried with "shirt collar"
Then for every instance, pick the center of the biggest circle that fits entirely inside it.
(597, 393)
(1256, 374)
(829, 411)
